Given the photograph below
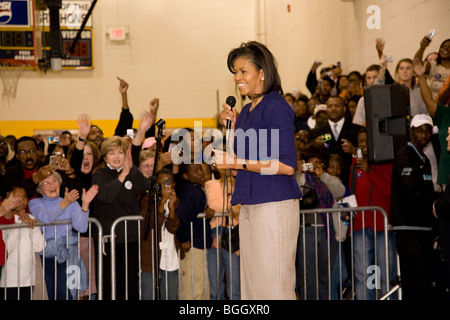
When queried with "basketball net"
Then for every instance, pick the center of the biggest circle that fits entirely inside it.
(10, 74)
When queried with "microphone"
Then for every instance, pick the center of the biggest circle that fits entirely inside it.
(231, 101)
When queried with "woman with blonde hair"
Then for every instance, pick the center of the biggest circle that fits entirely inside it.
(120, 183)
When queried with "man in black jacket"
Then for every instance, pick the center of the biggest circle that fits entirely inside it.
(339, 134)
(441, 209)
(412, 197)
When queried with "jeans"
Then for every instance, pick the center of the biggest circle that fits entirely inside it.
(224, 266)
(339, 274)
(147, 285)
(61, 280)
(315, 290)
(364, 257)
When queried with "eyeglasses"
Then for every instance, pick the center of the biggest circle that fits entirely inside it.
(25, 152)
(49, 183)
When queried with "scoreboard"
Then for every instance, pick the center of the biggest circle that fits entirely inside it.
(24, 33)
(17, 31)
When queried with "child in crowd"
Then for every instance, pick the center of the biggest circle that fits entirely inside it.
(21, 244)
(193, 202)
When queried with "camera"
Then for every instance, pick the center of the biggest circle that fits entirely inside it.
(52, 161)
(338, 63)
(167, 183)
(359, 153)
(326, 137)
(130, 133)
(307, 166)
(389, 58)
(431, 34)
(53, 140)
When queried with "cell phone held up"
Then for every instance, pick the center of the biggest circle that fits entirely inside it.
(359, 153)
(53, 140)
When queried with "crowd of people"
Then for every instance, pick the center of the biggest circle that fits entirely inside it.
(323, 147)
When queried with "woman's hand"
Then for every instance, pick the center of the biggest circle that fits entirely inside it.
(69, 197)
(127, 165)
(154, 106)
(88, 196)
(348, 147)
(363, 165)
(419, 67)
(228, 113)
(83, 125)
(223, 160)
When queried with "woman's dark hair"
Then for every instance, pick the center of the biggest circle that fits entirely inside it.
(362, 130)
(95, 153)
(261, 58)
(439, 60)
(315, 149)
(303, 98)
(330, 81)
(356, 73)
(164, 171)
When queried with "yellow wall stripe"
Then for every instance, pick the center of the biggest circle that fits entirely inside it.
(27, 128)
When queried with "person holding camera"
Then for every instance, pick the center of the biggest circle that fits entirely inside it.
(436, 71)
(342, 131)
(371, 185)
(317, 229)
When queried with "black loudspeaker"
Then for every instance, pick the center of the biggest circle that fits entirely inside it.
(387, 120)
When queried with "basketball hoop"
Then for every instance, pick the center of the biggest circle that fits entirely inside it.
(10, 71)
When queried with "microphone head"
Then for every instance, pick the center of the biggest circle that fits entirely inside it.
(231, 101)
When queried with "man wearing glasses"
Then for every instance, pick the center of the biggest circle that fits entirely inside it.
(27, 164)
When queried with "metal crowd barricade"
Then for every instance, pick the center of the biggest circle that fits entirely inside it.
(42, 291)
(303, 263)
(125, 220)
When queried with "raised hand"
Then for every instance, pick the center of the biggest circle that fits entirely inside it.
(69, 197)
(419, 67)
(146, 122)
(9, 204)
(154, 106)
(88, 196)
(123, 86)
(83, 125)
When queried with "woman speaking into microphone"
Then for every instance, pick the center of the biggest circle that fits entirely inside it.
(262, 149)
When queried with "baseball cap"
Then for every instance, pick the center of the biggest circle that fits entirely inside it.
(420, 119)
(320, 107)
(148, 143)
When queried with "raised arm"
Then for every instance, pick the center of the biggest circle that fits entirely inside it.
(425, 90)
(126, 118)
(419, 54)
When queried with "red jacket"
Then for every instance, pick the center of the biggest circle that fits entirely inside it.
(373, 189)
(3, 220)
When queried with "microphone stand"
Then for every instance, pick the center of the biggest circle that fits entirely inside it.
(154, 190)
